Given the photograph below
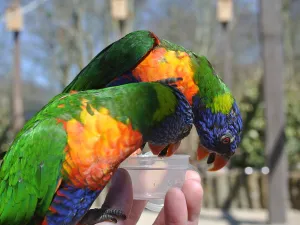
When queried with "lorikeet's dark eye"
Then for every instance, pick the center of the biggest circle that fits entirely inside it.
(225, 140)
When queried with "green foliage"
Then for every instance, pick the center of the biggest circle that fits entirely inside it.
(292, 130)
(251, 151)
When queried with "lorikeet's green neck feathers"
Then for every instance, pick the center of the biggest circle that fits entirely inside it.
(212, 90)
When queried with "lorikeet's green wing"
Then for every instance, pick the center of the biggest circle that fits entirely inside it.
(113, 61)
(30, 171)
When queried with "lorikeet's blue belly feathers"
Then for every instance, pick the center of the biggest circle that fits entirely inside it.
(69, 205)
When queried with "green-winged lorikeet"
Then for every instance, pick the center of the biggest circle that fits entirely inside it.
(66, 154)
(142, 56)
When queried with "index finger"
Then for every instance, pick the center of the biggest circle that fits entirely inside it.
(175, 208)
(193, 193)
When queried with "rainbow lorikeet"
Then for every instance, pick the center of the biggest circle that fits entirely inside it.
(66, 154)
(142, 56)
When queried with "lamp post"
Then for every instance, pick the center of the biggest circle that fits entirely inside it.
(225, 16)
(14, 23)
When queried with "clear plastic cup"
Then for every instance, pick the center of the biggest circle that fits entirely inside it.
(153, 176)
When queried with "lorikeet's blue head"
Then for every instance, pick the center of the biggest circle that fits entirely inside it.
(220, 133)
(216, 115)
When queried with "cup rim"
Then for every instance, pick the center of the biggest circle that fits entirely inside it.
(180, 162)
(155, 157)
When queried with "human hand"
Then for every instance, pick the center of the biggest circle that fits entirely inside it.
(181, 206)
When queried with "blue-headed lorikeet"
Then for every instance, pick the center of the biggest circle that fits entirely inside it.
(66, 154)
(142, 56)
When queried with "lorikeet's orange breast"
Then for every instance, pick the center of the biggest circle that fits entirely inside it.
(96, 146)
(161, 64)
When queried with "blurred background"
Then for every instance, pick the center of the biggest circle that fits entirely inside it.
(45, 43)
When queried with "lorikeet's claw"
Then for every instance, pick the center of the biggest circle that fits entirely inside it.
(98, 215)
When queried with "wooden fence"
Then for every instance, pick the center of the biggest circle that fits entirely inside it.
(235, 189)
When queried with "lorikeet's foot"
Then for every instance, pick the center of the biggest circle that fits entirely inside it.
(98, 215)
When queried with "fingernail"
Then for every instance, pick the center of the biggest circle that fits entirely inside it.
(193, 175)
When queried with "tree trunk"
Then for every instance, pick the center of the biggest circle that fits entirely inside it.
(77, 27)
(272, 54)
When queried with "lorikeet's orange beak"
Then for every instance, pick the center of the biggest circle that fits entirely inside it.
(218, 161)
(163, 151)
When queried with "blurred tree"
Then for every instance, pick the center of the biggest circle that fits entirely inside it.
(75, 29)
(292, 88)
